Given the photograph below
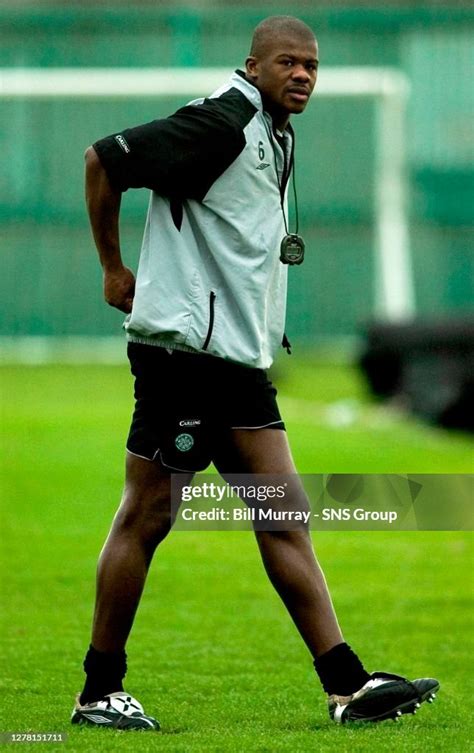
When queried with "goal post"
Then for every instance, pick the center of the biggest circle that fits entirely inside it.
(393, 295)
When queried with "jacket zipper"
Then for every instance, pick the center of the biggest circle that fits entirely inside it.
(212, 298)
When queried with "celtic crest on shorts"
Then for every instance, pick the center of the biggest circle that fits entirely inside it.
(184, 442)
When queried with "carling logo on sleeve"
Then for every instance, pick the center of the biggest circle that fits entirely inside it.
(122, 143)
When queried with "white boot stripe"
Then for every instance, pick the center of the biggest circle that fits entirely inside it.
(98, 719)
(338, 713)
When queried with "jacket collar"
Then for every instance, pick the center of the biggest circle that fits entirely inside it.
(240, 82)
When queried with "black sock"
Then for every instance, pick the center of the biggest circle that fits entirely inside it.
(341, 671)
(105, 673)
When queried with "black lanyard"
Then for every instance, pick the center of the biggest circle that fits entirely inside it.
(292, 245)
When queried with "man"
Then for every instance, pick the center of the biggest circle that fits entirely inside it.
(204, 320)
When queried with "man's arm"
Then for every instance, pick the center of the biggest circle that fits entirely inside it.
(103, 205)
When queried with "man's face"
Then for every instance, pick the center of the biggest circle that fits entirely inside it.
(285, 73)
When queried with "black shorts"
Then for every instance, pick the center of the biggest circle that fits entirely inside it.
(186, 403)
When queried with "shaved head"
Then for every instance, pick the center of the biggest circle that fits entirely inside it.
(273, 28)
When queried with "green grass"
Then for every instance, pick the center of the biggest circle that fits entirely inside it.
(213, 653)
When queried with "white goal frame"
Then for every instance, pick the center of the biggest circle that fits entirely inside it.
(394, 297)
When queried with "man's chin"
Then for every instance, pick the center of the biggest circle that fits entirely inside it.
(297, 107)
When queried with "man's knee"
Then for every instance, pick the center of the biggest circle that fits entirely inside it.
(145, 513)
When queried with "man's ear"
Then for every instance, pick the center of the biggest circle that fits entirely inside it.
(251, 66)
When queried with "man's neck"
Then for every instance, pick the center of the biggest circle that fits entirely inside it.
(280, 119)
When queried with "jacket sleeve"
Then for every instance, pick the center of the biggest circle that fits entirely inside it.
(179, 157)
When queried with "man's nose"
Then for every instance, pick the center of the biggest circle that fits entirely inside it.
(300, 73)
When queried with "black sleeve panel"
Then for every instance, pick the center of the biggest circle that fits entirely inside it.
(183, 155)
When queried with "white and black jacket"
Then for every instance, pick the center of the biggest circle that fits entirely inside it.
(209, 276)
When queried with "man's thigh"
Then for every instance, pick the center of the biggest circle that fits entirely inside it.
(148, 487)
(262, 457)
(265, 451)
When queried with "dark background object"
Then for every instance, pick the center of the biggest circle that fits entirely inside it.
(429, 365)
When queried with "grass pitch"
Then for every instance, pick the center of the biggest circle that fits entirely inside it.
(213, 654)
